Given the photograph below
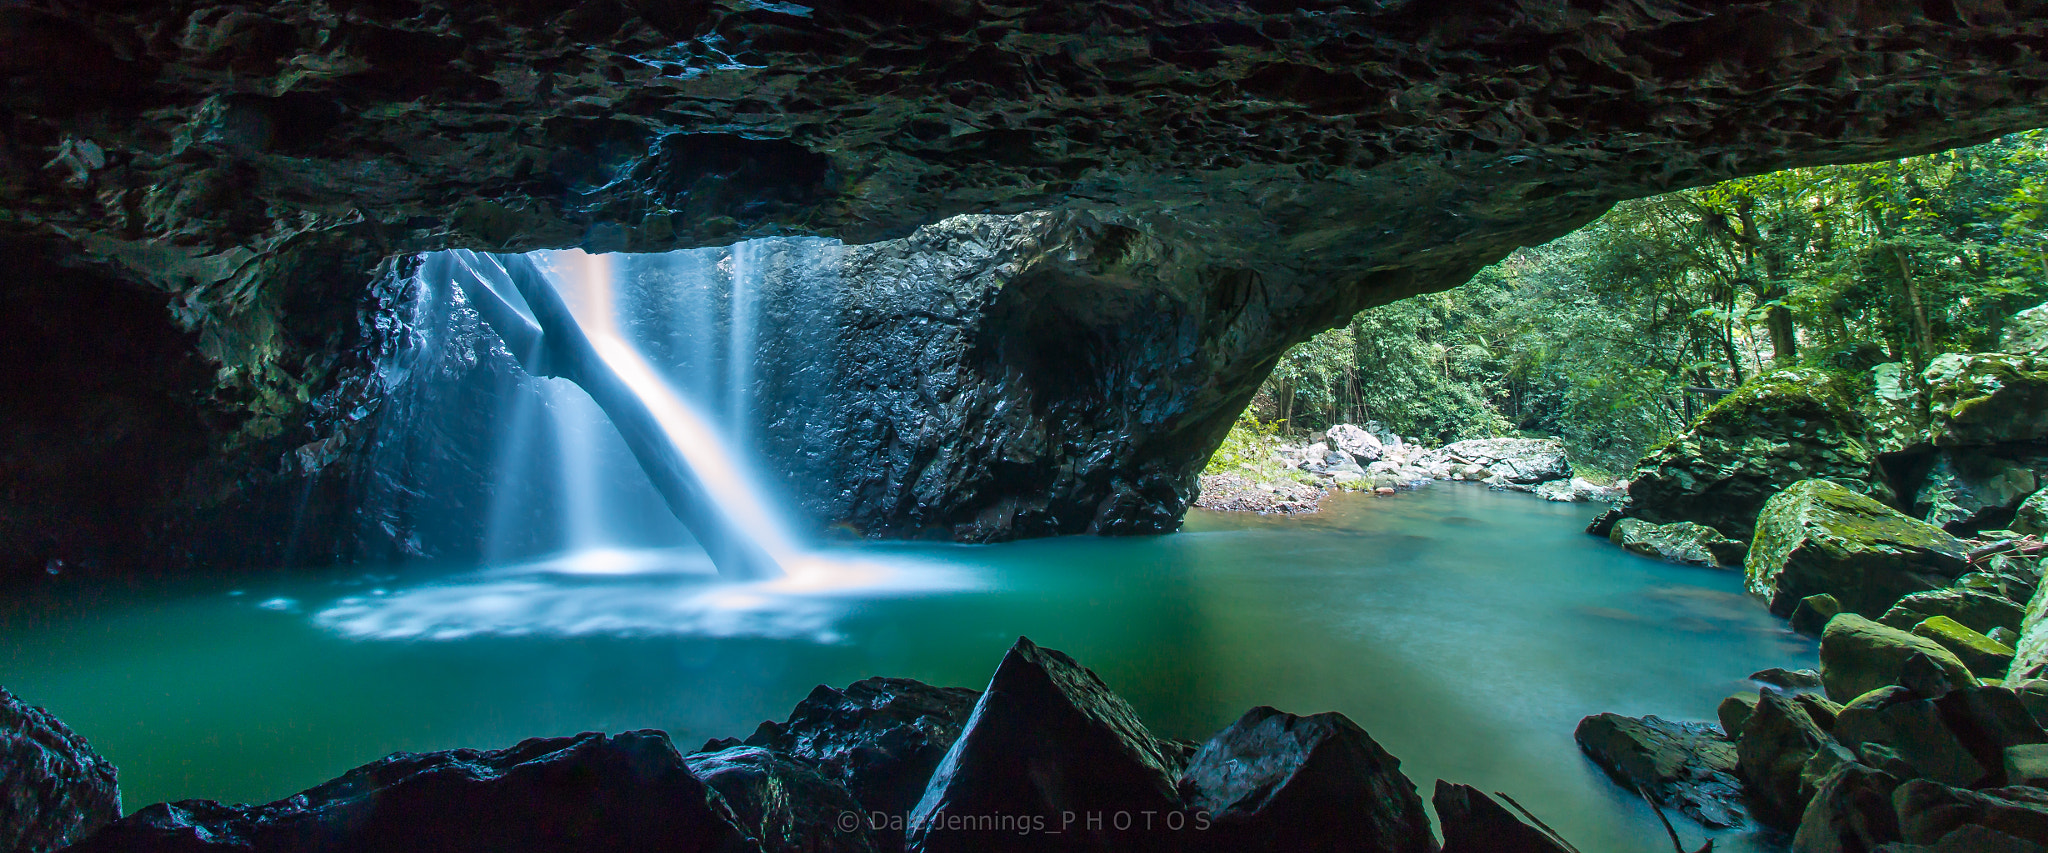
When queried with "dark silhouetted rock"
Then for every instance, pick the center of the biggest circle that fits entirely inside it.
(1811, 615)
(1474, 823)
(1687, 766)
(1602, 525)
(784, 804)
(1858, 656)
(627, 793)
(1818, 537)
(1947, 819)
(1051, 760)
(1780, 750)
(1850, 812)
(1277, 782)
(1734, 712)
(880, 737)
(54, 789)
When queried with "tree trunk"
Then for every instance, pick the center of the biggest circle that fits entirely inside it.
(1916, 310)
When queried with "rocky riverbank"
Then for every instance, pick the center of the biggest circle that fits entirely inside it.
(1898, 518)
(1046, 758)
(1279, 476)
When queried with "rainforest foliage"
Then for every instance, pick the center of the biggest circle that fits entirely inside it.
(1612, 338)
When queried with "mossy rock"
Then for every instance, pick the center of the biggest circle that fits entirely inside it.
(1681, 542)
(2031, 519)
(1970, 489)
(1979, 611)
(2026, 333)
(1778, 429)
(1986, 657)
(1858, 656)
(1987, 398)
(1818, 537)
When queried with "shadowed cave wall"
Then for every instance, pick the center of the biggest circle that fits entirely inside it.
(1221, 179)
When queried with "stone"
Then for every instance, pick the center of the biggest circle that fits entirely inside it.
(785, 804)
(1790, 681)
(1813, 612)
(1277, 782)
(1687, 766)
(880, 738)
(1818, 536)
(1986, 658)
(1895, 412)
(56, 790)
(1850, 811)
(1680, 542)
(1474, 823)
(1970, 489)
(1993, 821)
(1602, 525)
(1047, 740)
(2030, 518)
(2030, 655)
(1779, 741)
(1911, 728)
(590, 792)
(1735, 711)
(2026, 332)
(1979, 611)
(1987, 398)
(1858, 656)
(1562, 491)
(1524, 461)
(2027, 764)
(1777, 429)
(1361, 445)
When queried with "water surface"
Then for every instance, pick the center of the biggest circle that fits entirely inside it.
(1467, 630)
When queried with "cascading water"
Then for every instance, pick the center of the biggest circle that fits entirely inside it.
(673, 358)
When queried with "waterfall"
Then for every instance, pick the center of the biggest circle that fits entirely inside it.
(662, 351)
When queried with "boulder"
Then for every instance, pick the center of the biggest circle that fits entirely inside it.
(1986, 658)
(1987, 398)
(1850, 812)
(1980, 611)
(2030, 654)
(1910, 727)
(1474, 823)
(1277, 782)
(590, 792)
(1777, 429)
(785, 805)
(1812, 614)
(1735, 711)
(1894, 415)
(1603, 524)
(2026, 333)
(2031, 517)
(1781, 749)
(54, 789)
(1687, 766)
(881, 738)
(1048, 747)
(1818, 536)
(1526, 461)
(1858, 656)
(1994, 821)
(1972, 488)
(1362, 445)
(1792, 681)
(1679, 542)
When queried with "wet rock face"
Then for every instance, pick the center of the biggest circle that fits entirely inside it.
(1687, 766)
(55, 790)
(1275, 781)
(1251, 174)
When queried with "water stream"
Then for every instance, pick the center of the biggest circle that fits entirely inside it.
(1467, 630)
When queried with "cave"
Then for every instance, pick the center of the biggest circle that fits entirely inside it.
(301, 324)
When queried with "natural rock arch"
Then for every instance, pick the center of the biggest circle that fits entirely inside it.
(1228, 178)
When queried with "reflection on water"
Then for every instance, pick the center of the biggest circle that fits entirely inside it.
(1467, 630)
(668, 592)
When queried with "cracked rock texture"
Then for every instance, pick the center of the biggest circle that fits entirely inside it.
(1236, 176)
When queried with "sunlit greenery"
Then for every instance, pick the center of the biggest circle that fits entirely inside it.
(1597, 337)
